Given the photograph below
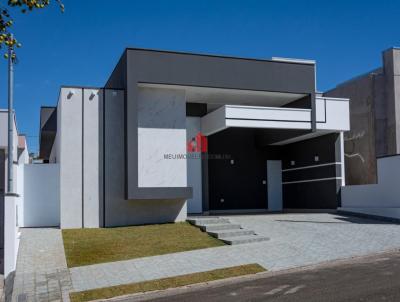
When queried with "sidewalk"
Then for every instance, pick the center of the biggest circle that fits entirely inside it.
(41, 273)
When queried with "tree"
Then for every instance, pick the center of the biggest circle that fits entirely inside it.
(7, 38)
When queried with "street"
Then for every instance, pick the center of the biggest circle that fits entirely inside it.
(372, 278)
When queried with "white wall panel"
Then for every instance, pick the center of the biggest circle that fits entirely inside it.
(91, 130)
(70, 106)
(333, 114)
(268, 113)
(42, 195)
(161, 131)
(383, 194)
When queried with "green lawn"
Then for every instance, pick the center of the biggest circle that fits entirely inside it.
(160, 284)
(90, 246)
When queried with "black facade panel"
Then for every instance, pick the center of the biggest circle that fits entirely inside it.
(311, 195)
(265, 137)
(304, 103)
(48, 130)
(196, 109)
(239, 185)
(303, 153)
(315, 194)
(311, 173)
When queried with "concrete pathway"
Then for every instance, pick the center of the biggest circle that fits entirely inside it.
(41, 272)
(295, 240)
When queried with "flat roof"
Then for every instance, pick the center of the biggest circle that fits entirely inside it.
(273, 59)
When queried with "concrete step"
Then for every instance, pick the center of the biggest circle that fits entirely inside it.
(207, 220)
(230, 233)
(244, 239)
(219, 226)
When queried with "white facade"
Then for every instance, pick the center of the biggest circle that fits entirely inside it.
(42, 196)
(161, 131)
(76, 150)
(332, 114)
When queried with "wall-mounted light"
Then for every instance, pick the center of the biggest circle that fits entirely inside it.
(292, 162)
(70, 93)
(316, 158)
(232, 161)
(92, 95)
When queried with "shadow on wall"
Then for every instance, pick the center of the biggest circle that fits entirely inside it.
(149, 212)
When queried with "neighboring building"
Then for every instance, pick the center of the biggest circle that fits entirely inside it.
(122, 149)
(374, 116)
(11, 207)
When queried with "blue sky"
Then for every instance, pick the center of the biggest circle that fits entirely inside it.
(82, 46)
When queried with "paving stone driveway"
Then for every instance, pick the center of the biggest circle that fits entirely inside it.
(41, 272)
(295, 240)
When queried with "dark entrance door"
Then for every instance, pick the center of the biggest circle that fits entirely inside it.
(236, 171)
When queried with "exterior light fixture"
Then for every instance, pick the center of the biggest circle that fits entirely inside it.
(92, 95)
(70, 94)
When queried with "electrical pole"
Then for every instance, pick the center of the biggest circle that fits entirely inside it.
(10, 181)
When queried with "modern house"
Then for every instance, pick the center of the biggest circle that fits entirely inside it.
(11, 205)
(375, 118)
(175, 133)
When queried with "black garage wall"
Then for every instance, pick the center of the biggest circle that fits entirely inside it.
(240, 184)
(323, 194)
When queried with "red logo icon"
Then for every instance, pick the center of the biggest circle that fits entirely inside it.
(197, 144)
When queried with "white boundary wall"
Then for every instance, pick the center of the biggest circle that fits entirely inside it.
(381, 199)
(42, 195)
(11, 238)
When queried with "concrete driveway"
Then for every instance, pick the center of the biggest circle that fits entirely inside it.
(312, 238)
(295, 240)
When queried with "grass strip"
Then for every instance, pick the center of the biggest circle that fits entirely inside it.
(92, 246)
(165, 283)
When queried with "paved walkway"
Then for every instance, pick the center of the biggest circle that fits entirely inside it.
(295, 240)
(41, 272)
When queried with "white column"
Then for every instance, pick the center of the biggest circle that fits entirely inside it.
(342, 158)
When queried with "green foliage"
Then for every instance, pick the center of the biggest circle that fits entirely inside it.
(7, 38)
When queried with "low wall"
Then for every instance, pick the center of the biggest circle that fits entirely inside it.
(381, 199)
(41, 195)
(11, 237)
